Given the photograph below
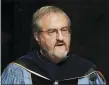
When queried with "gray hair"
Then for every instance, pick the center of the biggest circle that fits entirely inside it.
(37, 16)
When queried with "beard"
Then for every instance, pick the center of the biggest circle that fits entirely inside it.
(56, 53)
(59, 52)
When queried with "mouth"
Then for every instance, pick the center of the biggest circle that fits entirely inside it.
(60, 44)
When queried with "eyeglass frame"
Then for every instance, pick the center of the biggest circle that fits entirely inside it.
(56, 30)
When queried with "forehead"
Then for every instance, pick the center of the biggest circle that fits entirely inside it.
(53, 20)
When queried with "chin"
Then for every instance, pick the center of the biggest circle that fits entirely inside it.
(61, 54)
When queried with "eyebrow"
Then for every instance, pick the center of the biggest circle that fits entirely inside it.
(56, 28)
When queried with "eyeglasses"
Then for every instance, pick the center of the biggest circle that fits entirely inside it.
(53, 32)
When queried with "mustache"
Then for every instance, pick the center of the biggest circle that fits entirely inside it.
(60, 43)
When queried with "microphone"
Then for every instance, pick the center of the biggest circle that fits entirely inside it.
(93, 78)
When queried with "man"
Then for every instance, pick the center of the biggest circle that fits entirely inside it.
(52, 64)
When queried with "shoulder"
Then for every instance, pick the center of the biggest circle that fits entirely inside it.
(15, 69)
(14, 74)
(80, 62)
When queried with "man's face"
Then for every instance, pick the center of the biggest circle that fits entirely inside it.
(52, 41)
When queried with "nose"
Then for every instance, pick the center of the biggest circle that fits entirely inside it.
(60, 35)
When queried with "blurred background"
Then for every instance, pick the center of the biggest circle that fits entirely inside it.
(90, 29)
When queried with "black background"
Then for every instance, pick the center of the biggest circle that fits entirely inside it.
(90, 29)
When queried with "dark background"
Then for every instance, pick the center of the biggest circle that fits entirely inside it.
(90, 29)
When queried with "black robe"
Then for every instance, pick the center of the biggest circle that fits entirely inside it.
(66, 72)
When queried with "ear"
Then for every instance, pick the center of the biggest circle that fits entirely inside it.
(36, 36)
